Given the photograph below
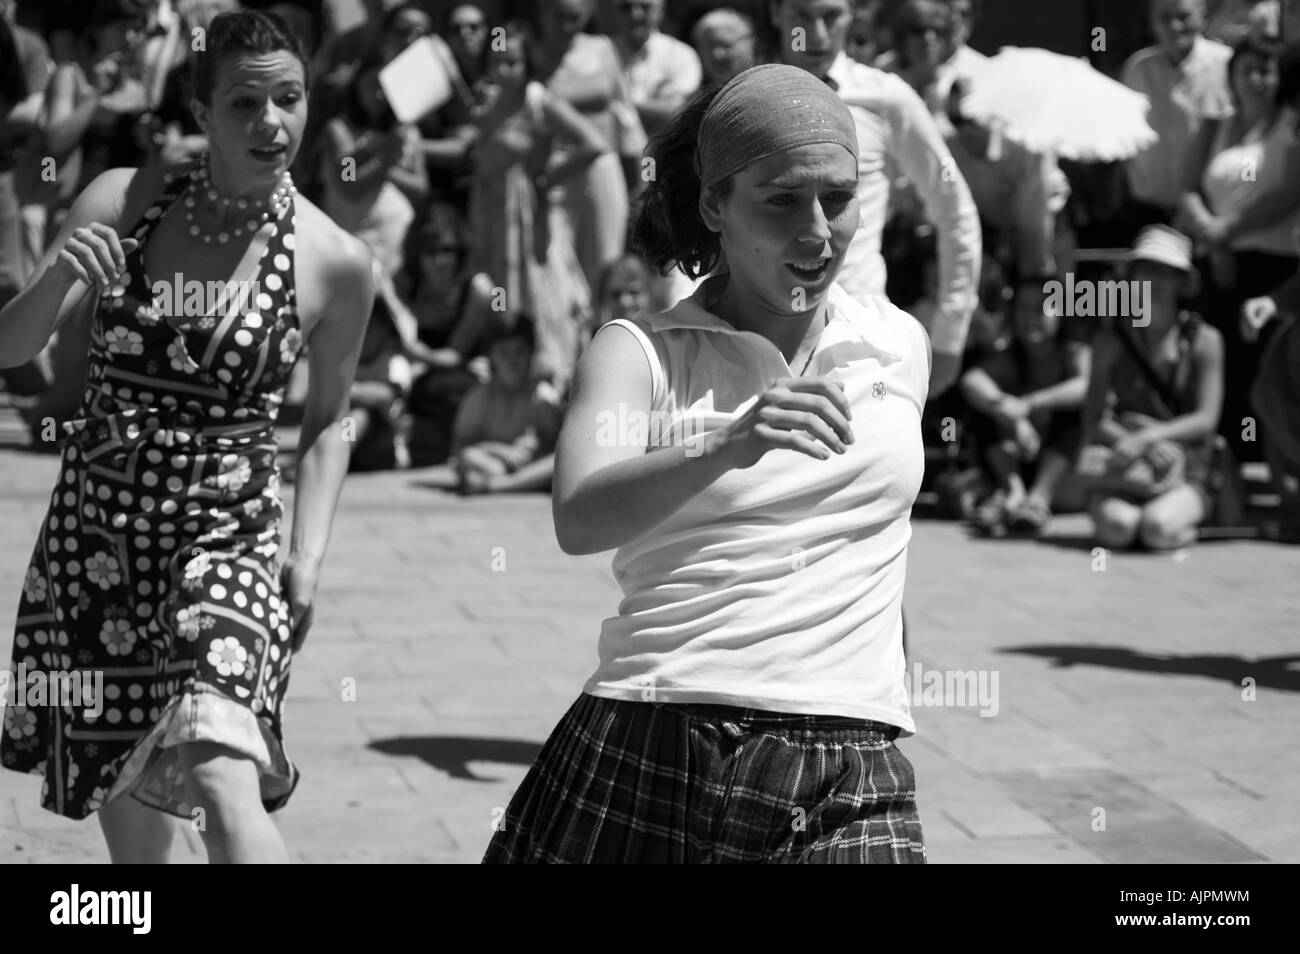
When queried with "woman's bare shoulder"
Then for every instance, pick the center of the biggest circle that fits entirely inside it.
(121, 195)
(335, 252)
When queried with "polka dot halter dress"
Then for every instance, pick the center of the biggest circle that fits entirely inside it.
(156, 564)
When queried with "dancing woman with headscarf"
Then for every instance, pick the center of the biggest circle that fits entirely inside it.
(752, 455)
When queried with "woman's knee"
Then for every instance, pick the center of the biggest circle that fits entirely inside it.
(1164, 531)
(1116, 521)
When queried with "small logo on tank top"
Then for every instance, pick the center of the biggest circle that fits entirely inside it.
(878, 390)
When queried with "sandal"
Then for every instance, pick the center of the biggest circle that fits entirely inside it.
(991, 516)
(1032, 516)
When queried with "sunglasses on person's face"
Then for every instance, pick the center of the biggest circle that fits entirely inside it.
(468, 27)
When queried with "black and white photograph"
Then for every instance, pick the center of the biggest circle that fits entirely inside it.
(651, 432)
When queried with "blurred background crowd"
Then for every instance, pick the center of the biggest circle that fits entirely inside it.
(499, 222)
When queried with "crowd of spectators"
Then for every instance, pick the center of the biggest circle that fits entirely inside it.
(499, 225)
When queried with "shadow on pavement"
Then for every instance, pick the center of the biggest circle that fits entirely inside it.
(1269, 672)
(452, 754)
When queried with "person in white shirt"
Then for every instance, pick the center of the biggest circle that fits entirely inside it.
(961, 61)
(753, 454)
(1185, 76)
(660, 70)
(897, 136)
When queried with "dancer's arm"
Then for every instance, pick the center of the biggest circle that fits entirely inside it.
(609, 490)
(86, 252)
(323, 453)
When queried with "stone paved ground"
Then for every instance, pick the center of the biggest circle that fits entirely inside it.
(467, 633)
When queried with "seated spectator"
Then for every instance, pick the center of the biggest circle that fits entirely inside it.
(1155, 448)
(660, 71)
(443, 313)
(1025, 388)
(377, 396)
(1275, 393)
(1185, 77)
(504, 437)
(724, 41)
(1243, 207)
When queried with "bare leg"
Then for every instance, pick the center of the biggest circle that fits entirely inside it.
(135, 833)
(533, 476)
(224, 784)
(1170, 521)
(1053, 467)
(1116, 521)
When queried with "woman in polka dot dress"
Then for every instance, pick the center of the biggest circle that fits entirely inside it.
(156, 566)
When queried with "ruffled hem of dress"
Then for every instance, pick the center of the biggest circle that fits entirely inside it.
(152, 773)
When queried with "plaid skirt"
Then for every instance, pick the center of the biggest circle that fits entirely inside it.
(641, 782)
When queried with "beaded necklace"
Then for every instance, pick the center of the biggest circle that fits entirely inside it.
(260, 211)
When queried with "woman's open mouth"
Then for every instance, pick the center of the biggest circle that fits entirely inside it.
(268, 153)
(810, 270)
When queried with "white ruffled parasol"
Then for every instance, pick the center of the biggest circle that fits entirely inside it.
(1048, 102)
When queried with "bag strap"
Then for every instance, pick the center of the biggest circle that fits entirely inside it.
(1162, 388)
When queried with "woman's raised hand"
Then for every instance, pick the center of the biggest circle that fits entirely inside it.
(95, 255)
(810, 415)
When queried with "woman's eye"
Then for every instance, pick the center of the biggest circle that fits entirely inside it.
(839, 198)
(243, 103)
(782, 199)
(289, 99)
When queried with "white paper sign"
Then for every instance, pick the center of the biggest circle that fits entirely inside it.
(417, 81)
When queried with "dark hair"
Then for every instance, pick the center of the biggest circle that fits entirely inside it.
(521, 325)
(247, 32)
(13, 83)
(1288, 68)
(668, 229)
(515, 29)
(617, 265)
(1269, 48)
(439, 222)
(391, 16)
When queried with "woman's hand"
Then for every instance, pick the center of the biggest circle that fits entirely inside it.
(1027, 439)
(809, 415)
(1255, 314)
(1163, 454)
(95, 255)
(1011, 408)
(298, 585)
(1129, 448)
